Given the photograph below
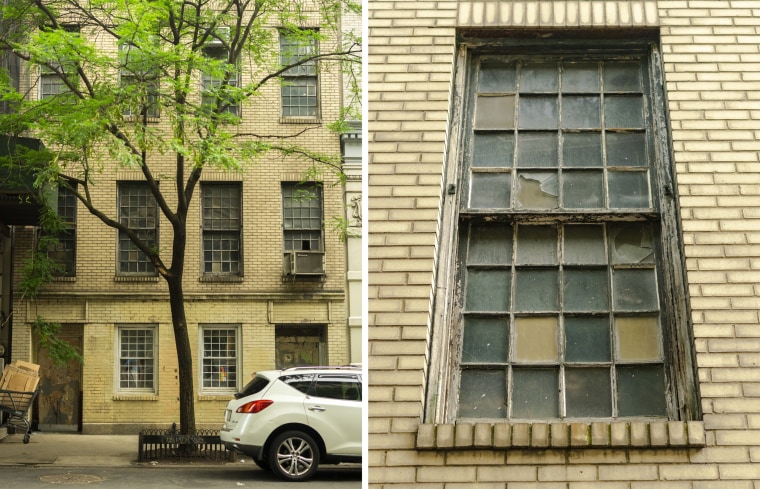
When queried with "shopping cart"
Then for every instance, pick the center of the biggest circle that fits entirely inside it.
(16, 404)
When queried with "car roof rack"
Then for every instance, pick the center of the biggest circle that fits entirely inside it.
(324, 367)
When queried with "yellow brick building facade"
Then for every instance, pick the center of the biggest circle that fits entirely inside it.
(417, 84)
(266, 313)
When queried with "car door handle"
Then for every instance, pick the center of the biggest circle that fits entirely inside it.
(318, 409)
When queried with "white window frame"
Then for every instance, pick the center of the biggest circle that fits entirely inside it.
(118, 357)
(202, 329)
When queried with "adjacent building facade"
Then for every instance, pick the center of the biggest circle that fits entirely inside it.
(563, 244)
(265, 277)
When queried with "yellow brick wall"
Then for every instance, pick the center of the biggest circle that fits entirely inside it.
(257, 303)
(712, 68)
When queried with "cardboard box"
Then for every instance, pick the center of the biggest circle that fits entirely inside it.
(18, 376)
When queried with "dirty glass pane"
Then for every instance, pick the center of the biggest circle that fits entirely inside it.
(490, 244)
(635, 290)
(628, 190)
(623, 76)
(539, 77)
(483, 394)
(535, 394)
(487, 290)
(486, 340)
(586, 290)
(537, 190)
(490, 190)
(537, 149)
(624, 111)
(580, 77)
(581, 112)
(582, 190)
(626, 149)
(537, 290)
(641, 391)
(496, 76)
(536, 339)
(494, 149)
(588, 392)
(582, 149)
(587, 339)
(584, 244)
(538, 112)
(631, 243)
(537, 245)
(495, 112)
(637, 339)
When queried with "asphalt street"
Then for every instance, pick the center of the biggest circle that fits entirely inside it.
(150, 477)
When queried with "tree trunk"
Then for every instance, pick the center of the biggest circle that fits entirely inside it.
(184, 356)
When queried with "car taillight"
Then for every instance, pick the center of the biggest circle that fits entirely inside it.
(254, 407)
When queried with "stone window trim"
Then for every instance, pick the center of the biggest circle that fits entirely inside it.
(439, 414)
(562, 435)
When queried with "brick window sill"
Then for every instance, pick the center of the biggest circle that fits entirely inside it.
(603, 434)
(135, 397)
(222, 396)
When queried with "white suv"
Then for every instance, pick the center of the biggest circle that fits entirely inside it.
(292, 420)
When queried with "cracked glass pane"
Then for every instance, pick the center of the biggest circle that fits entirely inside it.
(537, 190)
(631, 243)
(485, 340)
(588, 392)
(490, 244)
(495, 112)
(535, 394)
(493, 149)
(584, 245)
(483, 394)
(536, 339)
(587, 339)
(537, 245)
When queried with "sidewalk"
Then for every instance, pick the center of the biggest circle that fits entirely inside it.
(69, 450)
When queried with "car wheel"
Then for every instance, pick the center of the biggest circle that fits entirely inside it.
(294, 456)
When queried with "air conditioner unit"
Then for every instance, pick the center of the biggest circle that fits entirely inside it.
(304, 263)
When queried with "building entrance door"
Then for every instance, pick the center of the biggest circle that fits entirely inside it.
(59, 404)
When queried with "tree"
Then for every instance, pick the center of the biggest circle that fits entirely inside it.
(102, 101)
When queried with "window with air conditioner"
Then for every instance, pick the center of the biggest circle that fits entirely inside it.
(302, 229)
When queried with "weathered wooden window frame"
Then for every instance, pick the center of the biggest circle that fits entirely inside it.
(442, 386)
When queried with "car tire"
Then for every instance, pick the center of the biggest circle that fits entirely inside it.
(263, 464)
(294, 456)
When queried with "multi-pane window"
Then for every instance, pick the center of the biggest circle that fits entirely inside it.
(139, 82)
(136, 347)
(138, 211)
(299, 92)
(63, 251)
(52, 81)
(212, 89)
(302, 217)
(562, 307)
(220, 357)
(222, 228)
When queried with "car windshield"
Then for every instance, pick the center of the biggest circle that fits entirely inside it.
(255, 385)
